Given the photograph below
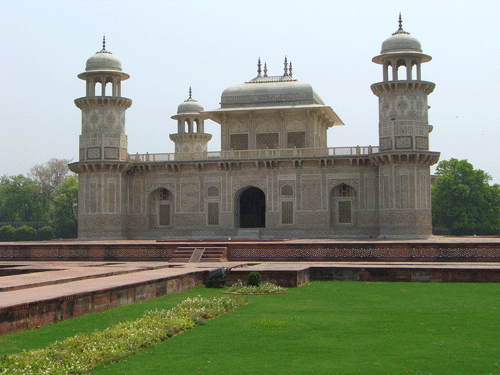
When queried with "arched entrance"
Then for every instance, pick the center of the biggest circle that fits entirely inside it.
(252, 208)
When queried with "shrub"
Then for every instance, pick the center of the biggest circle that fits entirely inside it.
(253, 278)
(264, 288)
(7, 233)
(45, 233)
(24, 233)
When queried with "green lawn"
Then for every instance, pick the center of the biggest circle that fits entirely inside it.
(320, 328)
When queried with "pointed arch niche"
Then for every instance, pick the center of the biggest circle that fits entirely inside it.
(342, 205)
(161, 204)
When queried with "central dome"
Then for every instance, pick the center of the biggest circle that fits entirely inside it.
(269, 91)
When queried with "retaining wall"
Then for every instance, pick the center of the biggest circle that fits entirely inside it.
(258, 251)
(36, 314)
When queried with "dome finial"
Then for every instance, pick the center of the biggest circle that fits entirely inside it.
(259, 71)
(104, 42)
(265, 69)
(286, 67)
(400, 22)
(190, 93)
(290, 72)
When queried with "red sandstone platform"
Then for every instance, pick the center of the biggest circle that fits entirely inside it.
(34, 293)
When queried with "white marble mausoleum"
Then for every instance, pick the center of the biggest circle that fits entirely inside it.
(275, 176)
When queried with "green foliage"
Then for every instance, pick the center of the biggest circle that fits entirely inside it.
(21, 200)
(24, 233)
(46, 195)
(253, 278)
(66, 209)
(45, 233)
(463, 201)
(7, 233)
(82, 352)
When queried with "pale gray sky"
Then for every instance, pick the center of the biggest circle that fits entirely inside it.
(167, 46)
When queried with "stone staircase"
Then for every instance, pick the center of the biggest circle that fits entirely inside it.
(199, 254)
(214, 254)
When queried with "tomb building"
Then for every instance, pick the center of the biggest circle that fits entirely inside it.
(274, 176)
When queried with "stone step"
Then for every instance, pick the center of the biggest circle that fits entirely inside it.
(251, 234)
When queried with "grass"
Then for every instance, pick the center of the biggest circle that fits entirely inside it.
(320, 328)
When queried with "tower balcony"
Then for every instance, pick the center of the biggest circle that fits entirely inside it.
(117, 101)
(408, 85)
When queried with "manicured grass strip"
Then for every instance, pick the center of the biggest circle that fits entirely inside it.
(341, 328)
(82, 352)
(39, 338)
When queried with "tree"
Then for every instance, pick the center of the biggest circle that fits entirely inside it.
(463, 200)
(50, 176)
(66, 208)
(21, 200)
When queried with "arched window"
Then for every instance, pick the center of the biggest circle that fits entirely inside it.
(160, 208)
(213, 191)
(286, 191)
(400, 63)
(344, 190)
(342, 205)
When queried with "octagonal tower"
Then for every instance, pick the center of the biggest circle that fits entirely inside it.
(103, 157)
(190, 139)
(404, 159)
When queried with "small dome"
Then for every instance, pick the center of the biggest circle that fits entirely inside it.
(401, 41)
(103, 60)
(189, 106)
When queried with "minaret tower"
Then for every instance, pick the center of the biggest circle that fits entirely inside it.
(404, 158)
(190, 139)
(103, 157)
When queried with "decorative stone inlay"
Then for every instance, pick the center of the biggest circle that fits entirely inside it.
(385, 144)
(403, 143)
(111, 153)
(422, 143)
(93, 153)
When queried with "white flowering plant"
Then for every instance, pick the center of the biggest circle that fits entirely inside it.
(82, 352)
(263, 288)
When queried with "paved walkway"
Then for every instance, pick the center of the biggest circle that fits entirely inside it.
(433, 239)
(63, 279)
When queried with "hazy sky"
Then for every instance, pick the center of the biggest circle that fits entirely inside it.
(167, 46)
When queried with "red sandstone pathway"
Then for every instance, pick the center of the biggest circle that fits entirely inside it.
(53, 291)
(64, 279)
(433, 239)
(63, 272)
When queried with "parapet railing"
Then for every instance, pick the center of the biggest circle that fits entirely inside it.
(257, 154)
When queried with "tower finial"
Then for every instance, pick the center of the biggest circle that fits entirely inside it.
(190, 93)
(290, 72)
(286, 67)
(259, 71)
(104, 42)
(265, 69)
(400, 22)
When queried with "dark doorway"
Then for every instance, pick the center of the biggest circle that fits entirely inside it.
(253, 208)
